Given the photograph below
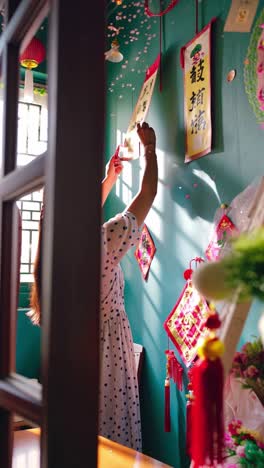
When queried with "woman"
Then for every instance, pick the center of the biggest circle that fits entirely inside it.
(119, 412)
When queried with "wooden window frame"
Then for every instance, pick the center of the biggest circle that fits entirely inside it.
(71, 170)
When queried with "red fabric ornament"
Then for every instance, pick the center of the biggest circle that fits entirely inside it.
(207, 428)
(188, 274)
(174, 371)
(213, 322)
(186, 322)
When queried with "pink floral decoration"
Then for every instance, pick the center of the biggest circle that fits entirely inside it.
(145, 252)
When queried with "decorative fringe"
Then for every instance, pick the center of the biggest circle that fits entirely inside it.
(207, 412)
(174, 369)
(207, 382)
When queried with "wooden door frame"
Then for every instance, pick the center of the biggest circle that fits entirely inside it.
(72, 168)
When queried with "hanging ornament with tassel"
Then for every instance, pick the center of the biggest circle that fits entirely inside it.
(174, 371)
(206, 445)
(32, 56)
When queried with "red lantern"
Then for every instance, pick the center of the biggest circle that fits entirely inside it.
(32, 56)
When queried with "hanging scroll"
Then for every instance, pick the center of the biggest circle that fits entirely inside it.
(241, 15)
(131, 144)
(196, 62)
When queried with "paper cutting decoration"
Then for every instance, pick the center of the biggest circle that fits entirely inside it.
(241, 15)
(196, 62)
(131, 143)
(145, 252)
(254, 70)
(223, 231)
(185, 324)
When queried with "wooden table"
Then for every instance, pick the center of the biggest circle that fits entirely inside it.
(110, 454)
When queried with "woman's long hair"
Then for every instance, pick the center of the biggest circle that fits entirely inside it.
(35, 296)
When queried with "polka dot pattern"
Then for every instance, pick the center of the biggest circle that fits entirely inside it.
(119, 411)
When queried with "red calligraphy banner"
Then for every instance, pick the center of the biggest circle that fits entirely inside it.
(196, 62)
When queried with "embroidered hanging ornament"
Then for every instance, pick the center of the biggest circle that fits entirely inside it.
(185, 323)
(174, 371)
(254, 70)
(145, 252)
(206, 445)
(32, 56)
(222, 233)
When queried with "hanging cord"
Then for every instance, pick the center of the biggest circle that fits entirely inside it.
(196, 16)
(160, 46)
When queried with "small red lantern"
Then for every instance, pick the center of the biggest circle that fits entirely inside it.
(32, 56)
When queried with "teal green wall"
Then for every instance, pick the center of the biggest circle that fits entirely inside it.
(180, 226)
(28, 338)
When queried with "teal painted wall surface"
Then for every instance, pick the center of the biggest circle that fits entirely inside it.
(28, 340)
(180, 227)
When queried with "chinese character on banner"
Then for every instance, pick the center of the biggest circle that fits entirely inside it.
(141, 110)
(196, 63)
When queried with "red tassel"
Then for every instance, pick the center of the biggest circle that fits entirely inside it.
(174, 369)
(207, 412)
(167, 425)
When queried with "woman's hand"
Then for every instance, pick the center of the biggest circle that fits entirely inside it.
(114, 167)
(146, 135)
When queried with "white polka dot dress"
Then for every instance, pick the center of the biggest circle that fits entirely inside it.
(119, 411)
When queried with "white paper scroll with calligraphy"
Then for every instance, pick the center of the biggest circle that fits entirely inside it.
(196, 62)
(140, 111)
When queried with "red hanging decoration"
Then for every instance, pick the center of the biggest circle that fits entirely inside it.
(206, 445)
(149, 13)
(174, 371)
(185, 325)
(32, 56)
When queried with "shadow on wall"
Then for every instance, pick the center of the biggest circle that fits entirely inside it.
(216, 78)
(193, 185)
